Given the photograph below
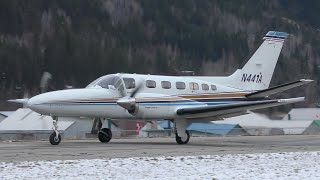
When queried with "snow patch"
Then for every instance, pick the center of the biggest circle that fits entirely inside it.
(288, 165)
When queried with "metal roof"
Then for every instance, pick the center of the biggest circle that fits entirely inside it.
(26, 119)
(255, 120)
(6, 113)
(211, 128)
(303, 114)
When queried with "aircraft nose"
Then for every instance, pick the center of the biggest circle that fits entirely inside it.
(31, 102)
(37, 104)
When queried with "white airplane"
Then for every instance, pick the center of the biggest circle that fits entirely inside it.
(181, 99)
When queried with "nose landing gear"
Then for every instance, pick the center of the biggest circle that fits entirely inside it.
(55, 137)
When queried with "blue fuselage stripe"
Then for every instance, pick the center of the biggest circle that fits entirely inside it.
(157, 103)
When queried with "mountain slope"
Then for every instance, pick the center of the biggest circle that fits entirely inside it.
(79, 40)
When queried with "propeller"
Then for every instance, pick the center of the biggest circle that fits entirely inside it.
(129, 102)
(44, 82)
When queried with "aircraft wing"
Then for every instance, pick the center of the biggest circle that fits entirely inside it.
(222, 111)
(278, 89)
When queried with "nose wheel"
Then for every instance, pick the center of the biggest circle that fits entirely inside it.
(55, 137)
(104, 135)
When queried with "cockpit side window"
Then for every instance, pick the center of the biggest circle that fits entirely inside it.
(109, 81)
(94, 82)
(130, 83)
(119, 85)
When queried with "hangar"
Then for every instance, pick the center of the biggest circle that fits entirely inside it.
(258, 124)
(303, 114)
(163, 128)
(25, 124)
(217, 129)
(4, 114)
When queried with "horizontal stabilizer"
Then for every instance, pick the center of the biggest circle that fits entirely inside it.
(278, 89)
(224, 110)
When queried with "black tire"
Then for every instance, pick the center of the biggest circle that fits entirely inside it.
(53, 140)
(184, 140)
(104, 135)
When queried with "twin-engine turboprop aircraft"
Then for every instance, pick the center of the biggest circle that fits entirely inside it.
(181, 99)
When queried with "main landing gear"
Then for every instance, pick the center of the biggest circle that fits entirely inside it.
(182, 135)
(104, 135)
(55, 137)
(184, 139)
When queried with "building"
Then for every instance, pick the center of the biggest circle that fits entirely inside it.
(313, 129)
(25, 124)
(5, 114)
(216, 129)
(164, 128)
(258, 124)
(303, 114)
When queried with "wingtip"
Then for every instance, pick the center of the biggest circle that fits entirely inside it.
(291, 100)
(306, 80)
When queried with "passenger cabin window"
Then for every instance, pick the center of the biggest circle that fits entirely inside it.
(130, 83)
(205, 87)
(194, 86)
(180, 85)
(150, 83)
(165, 84)
(213, 87)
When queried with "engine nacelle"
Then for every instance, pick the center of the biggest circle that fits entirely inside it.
(149, 111)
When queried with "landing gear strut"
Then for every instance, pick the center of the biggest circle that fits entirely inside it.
(105, 135)
(55, 137)
(183, 140)
(182, 135)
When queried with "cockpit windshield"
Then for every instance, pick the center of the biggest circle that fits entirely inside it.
(108, 82)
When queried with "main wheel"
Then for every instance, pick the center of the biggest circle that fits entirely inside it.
(183, 140)
(54, 140)
(104, 135)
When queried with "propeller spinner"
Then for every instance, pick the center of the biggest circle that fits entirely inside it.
(129, 102)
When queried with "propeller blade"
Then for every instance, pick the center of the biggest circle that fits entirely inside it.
(129, 102)
(136, 90)
(123, 92)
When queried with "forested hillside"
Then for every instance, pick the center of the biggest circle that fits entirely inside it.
(79, 40)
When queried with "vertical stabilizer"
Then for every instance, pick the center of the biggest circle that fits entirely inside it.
(257, 72)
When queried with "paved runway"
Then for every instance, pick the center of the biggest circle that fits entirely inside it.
(92, 149)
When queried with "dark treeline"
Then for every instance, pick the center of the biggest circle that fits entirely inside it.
(79, 40)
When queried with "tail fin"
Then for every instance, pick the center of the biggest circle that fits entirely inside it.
(257, 72)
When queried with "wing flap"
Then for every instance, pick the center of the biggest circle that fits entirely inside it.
(225, 110)
(278, 89)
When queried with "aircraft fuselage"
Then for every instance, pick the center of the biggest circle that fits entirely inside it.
(159, 97)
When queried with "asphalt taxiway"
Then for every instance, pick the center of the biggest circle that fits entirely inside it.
(138, 147)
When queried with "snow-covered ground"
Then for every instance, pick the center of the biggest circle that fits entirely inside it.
(289, 165)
